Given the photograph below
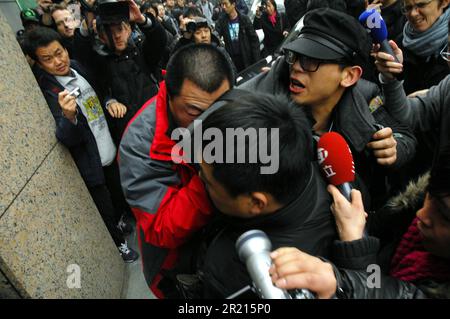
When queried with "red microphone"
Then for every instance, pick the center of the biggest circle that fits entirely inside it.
(336, 161)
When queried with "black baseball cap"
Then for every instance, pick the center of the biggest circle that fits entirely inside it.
(113, 12)
(328, 34)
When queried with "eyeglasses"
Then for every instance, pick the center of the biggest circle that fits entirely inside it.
(418, 6)
(445, 54)
(308, 64)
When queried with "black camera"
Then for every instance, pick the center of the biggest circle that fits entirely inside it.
(198, 22)
(263, 6)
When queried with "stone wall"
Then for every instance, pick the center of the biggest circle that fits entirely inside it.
(48, 221)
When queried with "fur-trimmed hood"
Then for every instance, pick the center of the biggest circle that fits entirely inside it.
(411, 199)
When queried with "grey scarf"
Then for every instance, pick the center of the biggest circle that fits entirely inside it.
(430, 42)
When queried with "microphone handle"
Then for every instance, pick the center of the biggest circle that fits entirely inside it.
(346, 190)
(386, 47)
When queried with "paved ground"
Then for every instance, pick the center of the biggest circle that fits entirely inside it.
(135, 286)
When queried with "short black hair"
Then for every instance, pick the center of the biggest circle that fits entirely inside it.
(295, 146)
(203, 64)
(40, 37)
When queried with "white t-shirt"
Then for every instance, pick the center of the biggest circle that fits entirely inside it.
(92, 110)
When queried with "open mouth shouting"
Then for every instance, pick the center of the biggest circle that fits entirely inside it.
(296, 86)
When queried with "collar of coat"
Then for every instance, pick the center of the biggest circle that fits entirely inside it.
(48, 83)
(162, 144)
(308, 205)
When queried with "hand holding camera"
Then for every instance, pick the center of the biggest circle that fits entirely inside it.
(68, 104)
(261, 9)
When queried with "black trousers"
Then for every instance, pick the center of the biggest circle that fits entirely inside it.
(110, 201)
(112, 178)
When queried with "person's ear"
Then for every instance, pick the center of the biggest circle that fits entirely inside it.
(350, 75)
(444, 4)
(258, 202)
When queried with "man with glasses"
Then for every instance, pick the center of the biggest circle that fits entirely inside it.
(322, 71)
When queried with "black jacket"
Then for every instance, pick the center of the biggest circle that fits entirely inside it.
(248, 39)
(421, 73)
(77, 138)
(131, 78)
(352, 284)
(355, 117)
(389, 224)
(296, 9)
(305, 223)
(273, 34)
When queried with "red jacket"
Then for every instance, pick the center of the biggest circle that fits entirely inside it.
(168, 200)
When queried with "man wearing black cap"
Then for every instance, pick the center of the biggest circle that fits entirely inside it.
(129, 66)
(322, 70)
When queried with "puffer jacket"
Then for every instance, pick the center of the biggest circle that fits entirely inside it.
(168, 200)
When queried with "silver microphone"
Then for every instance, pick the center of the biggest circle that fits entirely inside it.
(253, 248)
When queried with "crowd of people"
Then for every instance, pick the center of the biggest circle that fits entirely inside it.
(123, 78)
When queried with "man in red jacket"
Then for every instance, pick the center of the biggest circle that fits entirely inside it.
(168, 199)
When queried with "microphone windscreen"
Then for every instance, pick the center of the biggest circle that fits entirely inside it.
(374, 23)
(336, 159)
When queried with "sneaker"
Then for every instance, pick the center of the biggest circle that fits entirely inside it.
(127, 253)
(125, 228)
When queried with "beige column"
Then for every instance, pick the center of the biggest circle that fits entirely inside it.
(53, 242)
